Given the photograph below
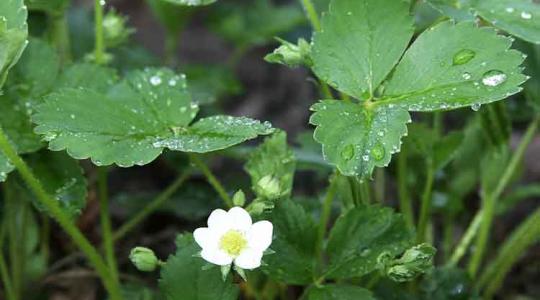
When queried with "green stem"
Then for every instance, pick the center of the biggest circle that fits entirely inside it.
(524, 236)
(490, 198)
(105, 218)
(171, 46)
(379, 185)
(216, 184)
(59, 35)
(448, 235)
(405, 203)
(365, 192)
(466, 240)
(15, 225)
(99, 50)
(312, 14)
(425, 209)
(326, 212)
(151, 207)
(53, 208)
(6, 281)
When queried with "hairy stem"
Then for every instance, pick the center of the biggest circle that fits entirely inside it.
(326, 212)
(105, 218)
(425, 209)
(59, 35)
(379, 185)
(152, 206)
(99, 50)
(216, 184)
(405, 204)
(53, 208)
(490, 199)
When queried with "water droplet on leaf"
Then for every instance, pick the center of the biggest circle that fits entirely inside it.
(526, 15)
(462, 57)
(476, 106)
(494, 78)
(377, 152)
(348, 152)
(466, 76)
(155, 80)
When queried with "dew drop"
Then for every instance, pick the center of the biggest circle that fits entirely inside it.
(155, 80)
(476, 106)
(466, 76)
(365, 157)
(348, 152)
(377, 152)
(462, 57)
(526, 15)
(493, 78)
(509, 10)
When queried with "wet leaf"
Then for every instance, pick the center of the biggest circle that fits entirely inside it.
(339, 292)
(13, 34)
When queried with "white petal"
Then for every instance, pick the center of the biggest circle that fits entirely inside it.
(217, 220)
(216, 257)
(205, 238)
(239, 218)
(249, 259)
(260, 235)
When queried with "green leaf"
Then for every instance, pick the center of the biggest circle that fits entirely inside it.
(360, 42)
(183, 276)
(87, 76)
(191, 2)
(62, 177)
(273, 158)
(148, 111)
(517, 17)
(360, 236)
(358, 138)
(29, 80)
(295, 234)
(5, 167)
(256, 22)
(339, 292)
(455, 66)
(459, 10)
(13, 34)
(532, 65)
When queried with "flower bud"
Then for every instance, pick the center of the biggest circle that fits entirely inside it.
(115, 29)
(415, 261)
(239, 198)
(144, 259)
(290, 54)
(268, 187)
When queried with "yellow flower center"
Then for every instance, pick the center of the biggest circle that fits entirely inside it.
(233, 242)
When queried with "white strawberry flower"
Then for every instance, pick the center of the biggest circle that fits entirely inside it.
(231, 237)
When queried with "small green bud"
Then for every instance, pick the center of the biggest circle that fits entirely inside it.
(290, 54)
(257, 207)
(268, 187)
(115, 29)
(239, 198)
(144, 259)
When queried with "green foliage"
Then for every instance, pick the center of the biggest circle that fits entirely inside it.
(455, 65)
(139, 116)
(414, 262)
(360, 236)
(5, 167)
(371, 43)
(519, 18)
(357, 139)
(171, 16)
(13, 34)
(296, 237)
(339, 292)
(183, 276)
(208, 83)
(448, 284)
(273, 160)
(63, 178)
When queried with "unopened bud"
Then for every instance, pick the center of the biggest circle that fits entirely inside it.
(144, 259)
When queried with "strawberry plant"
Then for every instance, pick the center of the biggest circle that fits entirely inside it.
(397, 185)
